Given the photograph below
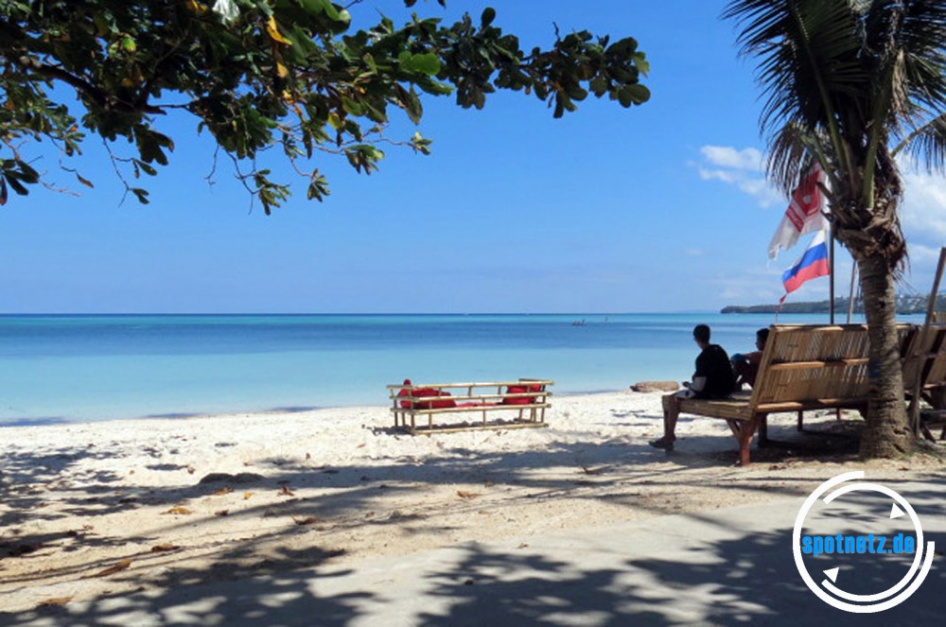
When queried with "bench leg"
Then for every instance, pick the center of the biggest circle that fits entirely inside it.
(801, 420)
(744, 452)
(746, 431)
(763, 431)
(927, 433)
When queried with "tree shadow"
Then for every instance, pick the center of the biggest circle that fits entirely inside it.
(751, 579)
(239, 587)
(262, 579)
(594, 580)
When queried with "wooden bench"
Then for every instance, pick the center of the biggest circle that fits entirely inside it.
(803, 367)
(493, 405)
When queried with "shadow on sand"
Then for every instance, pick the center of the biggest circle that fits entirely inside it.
(260, 581)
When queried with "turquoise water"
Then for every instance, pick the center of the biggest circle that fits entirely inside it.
(79, 368)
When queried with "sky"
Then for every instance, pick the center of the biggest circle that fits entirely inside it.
(658, 208)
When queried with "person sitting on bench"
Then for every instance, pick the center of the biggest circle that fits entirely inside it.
(746, 366)
(714, 378)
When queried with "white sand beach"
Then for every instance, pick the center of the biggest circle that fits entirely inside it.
(105, 509)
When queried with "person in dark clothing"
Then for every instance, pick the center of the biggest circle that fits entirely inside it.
(714, 378)
(746, 366)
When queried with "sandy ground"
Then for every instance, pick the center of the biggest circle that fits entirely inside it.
(99, 509)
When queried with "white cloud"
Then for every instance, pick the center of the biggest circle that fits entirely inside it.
(923, 255)
(743, 169)
(923, 212)
(725, 177)
(729, 157)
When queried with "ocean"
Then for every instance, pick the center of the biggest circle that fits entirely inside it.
(60, 369)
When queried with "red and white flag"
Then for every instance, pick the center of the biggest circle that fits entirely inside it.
(803, 214)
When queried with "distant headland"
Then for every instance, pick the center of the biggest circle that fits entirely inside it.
(905, 305)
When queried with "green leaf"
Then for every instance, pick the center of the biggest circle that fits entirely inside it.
(149, 170)
(576, 92)
(318, 187)
(633, 94)
(426, 63)
(623, 47)
(15, 184)
(352, 107)
(599, 85)
(141, 194)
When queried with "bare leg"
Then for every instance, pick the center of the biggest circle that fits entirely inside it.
(671, 406)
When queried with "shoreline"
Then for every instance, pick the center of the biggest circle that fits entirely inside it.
(172, 416)
(103, 509)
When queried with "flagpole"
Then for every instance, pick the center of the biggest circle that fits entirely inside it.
(831, 276)
(850, 302)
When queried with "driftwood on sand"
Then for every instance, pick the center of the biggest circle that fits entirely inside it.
(655, 386)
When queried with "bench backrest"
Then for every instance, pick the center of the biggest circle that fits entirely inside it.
(802, 363)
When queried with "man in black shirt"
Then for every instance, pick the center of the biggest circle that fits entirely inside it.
(713, 378)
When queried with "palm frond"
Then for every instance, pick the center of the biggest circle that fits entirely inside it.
(791, 151)
(808, 56)
(927, 145)
(906, 41)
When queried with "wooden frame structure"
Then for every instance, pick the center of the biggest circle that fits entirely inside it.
(803, 367)
(924, 370)
(925, 363)
(469, 399)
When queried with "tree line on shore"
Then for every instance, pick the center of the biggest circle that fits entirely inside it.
(905, 305)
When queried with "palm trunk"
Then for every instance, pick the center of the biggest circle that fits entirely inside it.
(886, 433)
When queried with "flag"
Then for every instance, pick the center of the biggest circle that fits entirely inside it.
(803, 214)
(813, 264)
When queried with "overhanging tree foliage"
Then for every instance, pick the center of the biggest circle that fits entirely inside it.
(262, 74)
(854, 83)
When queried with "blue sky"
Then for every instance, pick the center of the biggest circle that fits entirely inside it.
(660, 208)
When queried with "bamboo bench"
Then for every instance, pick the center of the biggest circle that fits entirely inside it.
(523, 401)
(803, 368)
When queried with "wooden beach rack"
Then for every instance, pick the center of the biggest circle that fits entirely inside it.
(485, 405)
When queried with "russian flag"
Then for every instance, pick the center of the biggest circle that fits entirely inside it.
(813, 264)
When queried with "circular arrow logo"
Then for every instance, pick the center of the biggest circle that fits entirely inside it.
(830, 590)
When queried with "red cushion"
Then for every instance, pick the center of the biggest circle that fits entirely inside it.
(521, 389)
(439, 404)
(422, 392)
(404, 392)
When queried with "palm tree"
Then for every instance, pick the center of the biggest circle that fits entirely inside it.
(855, 84)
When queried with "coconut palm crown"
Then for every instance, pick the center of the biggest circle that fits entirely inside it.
(854, 84)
